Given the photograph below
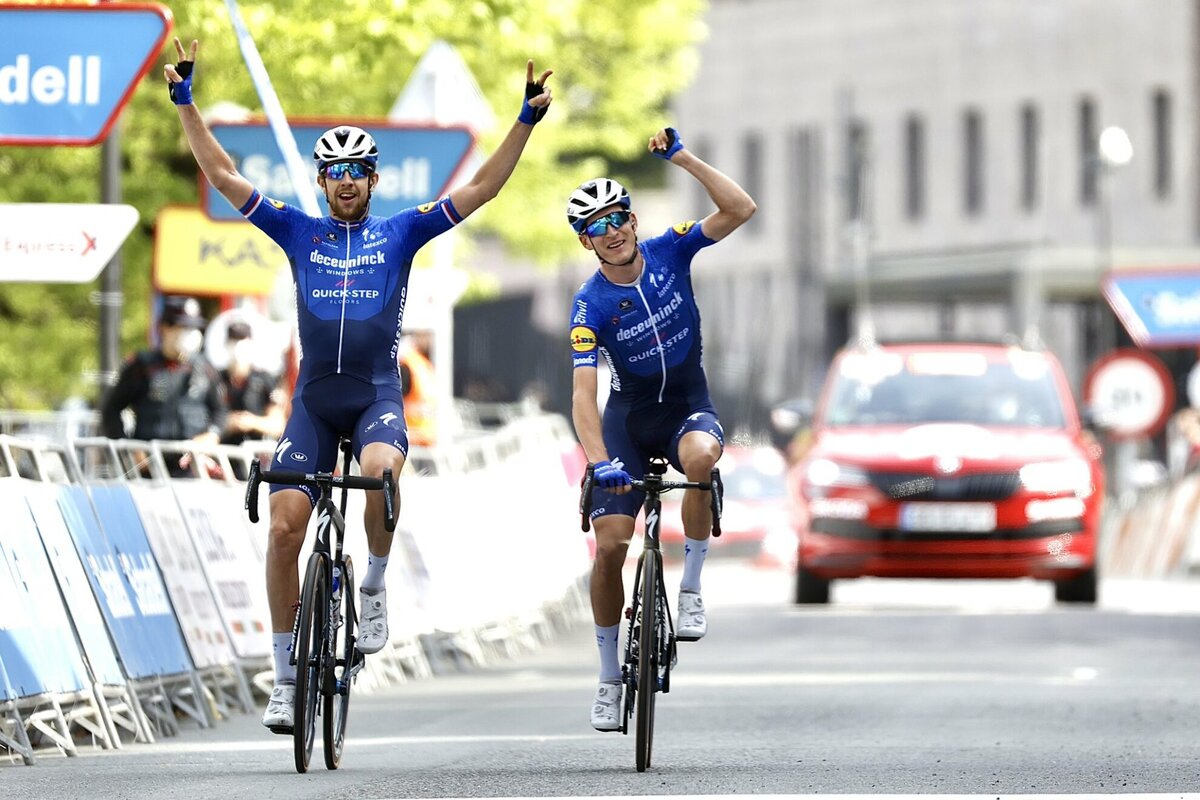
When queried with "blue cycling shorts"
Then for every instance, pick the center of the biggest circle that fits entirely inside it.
(635, 437)
(331, 407)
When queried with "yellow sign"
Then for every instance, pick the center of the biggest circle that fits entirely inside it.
(195, 255)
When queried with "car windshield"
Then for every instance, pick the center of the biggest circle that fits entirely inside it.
(887, 388)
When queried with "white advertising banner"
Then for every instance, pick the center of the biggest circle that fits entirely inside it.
(60, 242)
(184, 576)
(211, 511)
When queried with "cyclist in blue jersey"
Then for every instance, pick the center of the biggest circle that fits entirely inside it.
(638, 314)
(351, 274)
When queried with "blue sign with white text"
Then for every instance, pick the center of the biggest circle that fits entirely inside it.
(66, 72)
(1157, 308)
(415, 164)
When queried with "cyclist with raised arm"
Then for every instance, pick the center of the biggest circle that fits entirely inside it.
(638, 313)
(351, 274)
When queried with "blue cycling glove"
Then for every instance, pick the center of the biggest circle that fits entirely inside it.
(674, 145)
(531, 115)
(611, 474)
(181, 93)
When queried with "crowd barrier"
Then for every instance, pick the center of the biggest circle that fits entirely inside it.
(1159, 535)
(132, 595)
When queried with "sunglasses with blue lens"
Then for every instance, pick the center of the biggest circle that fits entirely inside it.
(356, 169)
(599, 227)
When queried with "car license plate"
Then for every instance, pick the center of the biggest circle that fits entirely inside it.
(959, 517)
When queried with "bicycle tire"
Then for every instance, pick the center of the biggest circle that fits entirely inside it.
(647, 677)
(310, 658)
(337, 703)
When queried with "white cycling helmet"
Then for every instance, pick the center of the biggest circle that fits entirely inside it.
(345, 143)
(592, 197)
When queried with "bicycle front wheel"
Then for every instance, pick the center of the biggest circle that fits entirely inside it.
(310, 657)
(337, 702)
(648, 654)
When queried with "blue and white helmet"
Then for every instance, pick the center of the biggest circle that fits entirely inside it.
(593, 197)
(345, 143)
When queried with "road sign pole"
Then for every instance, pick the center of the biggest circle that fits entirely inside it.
(110, 297)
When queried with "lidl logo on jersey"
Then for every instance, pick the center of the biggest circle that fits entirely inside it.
(67, 71)
(582, 339)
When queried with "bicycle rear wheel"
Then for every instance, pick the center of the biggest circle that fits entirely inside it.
(648, 654)
(337, 702)
(310, 658)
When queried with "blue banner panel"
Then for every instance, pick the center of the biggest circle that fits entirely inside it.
(73, 582)
(66, 72)
(37, 643)
(1160, 308)
(133, 601)
(415, 163)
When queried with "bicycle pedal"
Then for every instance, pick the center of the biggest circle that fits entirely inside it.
(282, 730)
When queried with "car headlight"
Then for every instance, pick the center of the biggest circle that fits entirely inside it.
(1072, 475)
(825, 473)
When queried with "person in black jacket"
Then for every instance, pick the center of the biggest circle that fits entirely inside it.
(174, 392)
(255, 400)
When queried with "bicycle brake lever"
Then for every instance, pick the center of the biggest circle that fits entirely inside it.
(389, 494)
(252, 491)
(585, 498)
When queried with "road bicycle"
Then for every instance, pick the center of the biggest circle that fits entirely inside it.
(323, 635)
(650, 644)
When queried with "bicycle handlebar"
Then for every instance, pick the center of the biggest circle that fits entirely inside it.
(316, 480)
(588, 483)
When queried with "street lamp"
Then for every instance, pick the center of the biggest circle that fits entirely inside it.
(1114, 150)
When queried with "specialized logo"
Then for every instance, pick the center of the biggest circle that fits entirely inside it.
(683, 227)
(652, 523)
(281, 448)
(583, 339)
(389, 418)
(425, 208)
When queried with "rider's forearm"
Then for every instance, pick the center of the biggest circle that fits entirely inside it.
(586, 416)
(214, 162)
(724, 191)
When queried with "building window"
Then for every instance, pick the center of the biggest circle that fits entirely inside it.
(752, 152)
(973, 162)
(914, 167)
(1089, 156)
(856, 169)
(1162, 144)
(1031, 134)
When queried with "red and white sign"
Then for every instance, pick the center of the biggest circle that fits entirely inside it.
(60, 242)
(1130, 392)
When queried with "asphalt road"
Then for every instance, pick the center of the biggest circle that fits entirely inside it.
(898, 687)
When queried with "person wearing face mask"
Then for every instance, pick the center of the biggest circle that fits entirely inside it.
(174, 392)
(255, 400)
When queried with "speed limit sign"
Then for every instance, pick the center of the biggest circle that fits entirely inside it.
(1130, 393)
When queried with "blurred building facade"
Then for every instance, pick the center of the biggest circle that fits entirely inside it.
(937, 162)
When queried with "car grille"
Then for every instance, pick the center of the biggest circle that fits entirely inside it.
(920, 486)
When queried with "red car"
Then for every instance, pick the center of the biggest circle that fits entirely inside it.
(947, 461)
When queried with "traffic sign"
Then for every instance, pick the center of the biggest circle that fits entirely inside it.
(66, 71)
(1130, 393)
(195, 255)
(60, 242)
(416, 162)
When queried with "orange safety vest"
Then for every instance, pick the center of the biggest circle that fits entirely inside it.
(420, 407)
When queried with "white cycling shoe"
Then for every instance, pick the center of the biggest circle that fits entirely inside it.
(372, 621)
(693, 623)
(606, 707)
(281, 709)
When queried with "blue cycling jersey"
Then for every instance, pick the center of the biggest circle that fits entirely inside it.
(351, 282)
(647, 331)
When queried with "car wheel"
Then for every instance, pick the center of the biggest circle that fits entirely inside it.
(810, 589)
(1080, 589)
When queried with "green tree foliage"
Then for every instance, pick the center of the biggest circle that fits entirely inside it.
(615, 65)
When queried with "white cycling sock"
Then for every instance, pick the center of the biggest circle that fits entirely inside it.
(375, 567)
(606, 639)
(281, 646)
(694, 552)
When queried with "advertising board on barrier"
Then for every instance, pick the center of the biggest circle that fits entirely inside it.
(120, 566)
(37, 644)
(67, 71)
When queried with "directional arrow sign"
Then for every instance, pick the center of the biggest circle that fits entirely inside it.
(67, 71)
(415, 162)
(60, 242)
